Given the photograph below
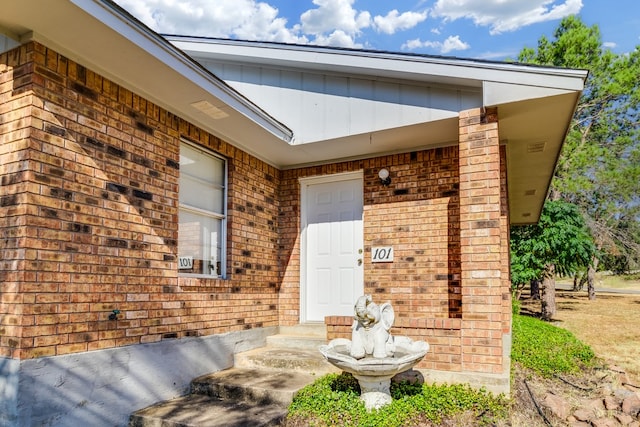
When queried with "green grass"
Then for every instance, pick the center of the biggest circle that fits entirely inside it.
(334, 400)
(547, 349)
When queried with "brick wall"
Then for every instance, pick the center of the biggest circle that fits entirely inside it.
(445, 213)
(15, 111)
(484, 242)
(417, 214)
(89, 204)
(88, 211)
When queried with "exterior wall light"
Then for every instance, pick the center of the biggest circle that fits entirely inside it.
(383, 174)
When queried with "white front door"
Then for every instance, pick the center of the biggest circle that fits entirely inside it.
(332, 270)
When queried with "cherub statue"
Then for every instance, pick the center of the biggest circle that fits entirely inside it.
(370, 334)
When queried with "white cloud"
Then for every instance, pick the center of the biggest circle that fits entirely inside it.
(609, 45)
(454, 43)
(337, 38)
(504, 16)
(396, 21)
(498, 55)
(328, 22)
(450, 44)
(416, 44)
(334, 22)
(245, 19)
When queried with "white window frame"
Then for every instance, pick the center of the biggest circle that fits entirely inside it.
(222, 216)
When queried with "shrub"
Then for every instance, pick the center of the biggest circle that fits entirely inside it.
(547, 349)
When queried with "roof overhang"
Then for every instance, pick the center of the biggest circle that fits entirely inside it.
(535, 104)
(391, 65)
(101, 36)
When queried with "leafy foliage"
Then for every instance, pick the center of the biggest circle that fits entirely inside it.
(559, 238)
(599, 168)
(547, 349)
(334, 400)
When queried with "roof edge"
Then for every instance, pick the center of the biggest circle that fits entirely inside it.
(118, 19)
(389, 55)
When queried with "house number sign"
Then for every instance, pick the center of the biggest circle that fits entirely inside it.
(382, 254)
(185, 262)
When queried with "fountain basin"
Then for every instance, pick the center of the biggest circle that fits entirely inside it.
(374, 374)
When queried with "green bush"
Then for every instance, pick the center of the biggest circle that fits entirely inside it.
(335, 400)
(547, 349)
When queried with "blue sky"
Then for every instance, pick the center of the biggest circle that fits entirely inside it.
(485, 29)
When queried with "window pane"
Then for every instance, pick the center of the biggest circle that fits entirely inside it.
(201, 179)
(199, 244)
(201, 195)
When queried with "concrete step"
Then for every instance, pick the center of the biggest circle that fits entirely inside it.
(197, 410)
(311, 330)
(307, 336)
(255, 392)
(283, 359)
(295, 342)
(257, 386)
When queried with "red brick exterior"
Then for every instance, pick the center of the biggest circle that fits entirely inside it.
(89, 218)
(89, 207)
(450, 284)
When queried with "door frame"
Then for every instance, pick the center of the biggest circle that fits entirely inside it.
(305, 183)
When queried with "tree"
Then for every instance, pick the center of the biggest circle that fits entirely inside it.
(599, 167)
(560, 243)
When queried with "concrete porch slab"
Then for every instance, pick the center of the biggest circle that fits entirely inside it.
(198, 410)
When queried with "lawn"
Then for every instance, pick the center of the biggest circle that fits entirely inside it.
(610, 324)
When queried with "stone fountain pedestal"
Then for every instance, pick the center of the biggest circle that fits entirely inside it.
(374, 390)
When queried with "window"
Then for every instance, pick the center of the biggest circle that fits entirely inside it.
(202, 212)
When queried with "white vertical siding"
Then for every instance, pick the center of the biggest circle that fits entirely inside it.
(322, 106)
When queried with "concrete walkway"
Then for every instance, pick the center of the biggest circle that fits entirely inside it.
(563, 287)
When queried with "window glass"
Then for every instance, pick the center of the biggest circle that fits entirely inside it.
(202, 213)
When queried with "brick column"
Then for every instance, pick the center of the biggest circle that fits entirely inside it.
(483, 240)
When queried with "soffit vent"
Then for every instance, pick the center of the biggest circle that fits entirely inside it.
(536, 147)
(210, 110)
(530, 193)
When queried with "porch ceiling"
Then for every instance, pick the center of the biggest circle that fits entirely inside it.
(535, 104)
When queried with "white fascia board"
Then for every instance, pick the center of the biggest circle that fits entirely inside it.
(158, 47)
(464, 72)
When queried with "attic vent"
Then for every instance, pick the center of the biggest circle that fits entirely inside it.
(536, 147)
(526, 214)
(530, 192)
(209, 109)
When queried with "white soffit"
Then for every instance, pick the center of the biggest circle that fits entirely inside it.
(498, 93)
